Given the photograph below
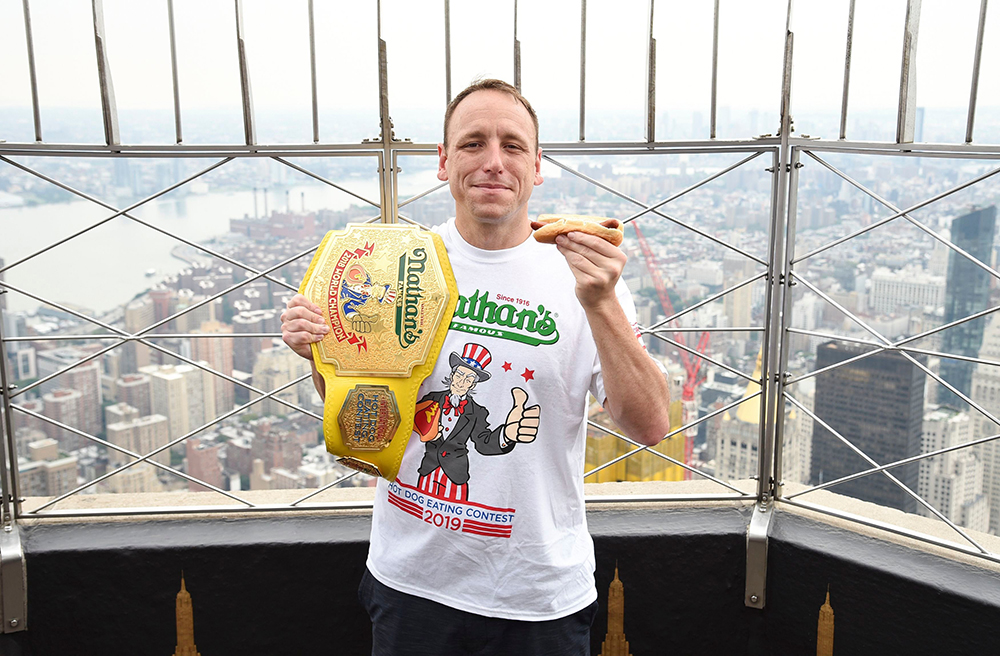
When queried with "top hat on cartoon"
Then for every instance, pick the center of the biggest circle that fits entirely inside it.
(475, 357)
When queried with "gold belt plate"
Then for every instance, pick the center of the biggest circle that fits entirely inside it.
(383, 293)
(388, 294)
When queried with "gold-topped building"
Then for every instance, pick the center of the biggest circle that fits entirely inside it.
(185, 624)
(615, 643)
(824, 631)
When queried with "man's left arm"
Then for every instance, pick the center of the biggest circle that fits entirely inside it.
(637, 396)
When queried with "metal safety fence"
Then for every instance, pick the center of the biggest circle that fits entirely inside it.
(770, 389)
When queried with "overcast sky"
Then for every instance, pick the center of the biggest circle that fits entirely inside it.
(751, 41)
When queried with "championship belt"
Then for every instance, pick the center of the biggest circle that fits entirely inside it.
(388, 294)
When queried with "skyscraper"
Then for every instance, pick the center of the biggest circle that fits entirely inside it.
(986, 393)
(66, 407)
(967, 291)
(275, 367)
(615, 643)
(185, 624)
(140, 435)
(182, 393)
(218, 353)
(245, 350)
(203, 461)
(84, 378)
(952, 482)
(135, 390)
(877, 404)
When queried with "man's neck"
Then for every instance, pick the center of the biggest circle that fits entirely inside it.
(496, 236)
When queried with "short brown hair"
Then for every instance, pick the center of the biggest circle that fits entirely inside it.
(489, 84)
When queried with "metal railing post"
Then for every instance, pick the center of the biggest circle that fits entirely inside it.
(771, 377)
(907, 110)
(847, 71)
(583, 70)
(32, 77)
(173, 72)
(715, 71)
(974, 93)
(781, 375)
(770, 369)
(312, 72)
(517, 53)
(651, 79)
(447, 52)
(249, 128)
(10, 505)
(109, 108)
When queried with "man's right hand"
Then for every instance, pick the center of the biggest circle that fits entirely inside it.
(302, 324)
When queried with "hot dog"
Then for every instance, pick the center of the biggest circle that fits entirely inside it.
(549, 226)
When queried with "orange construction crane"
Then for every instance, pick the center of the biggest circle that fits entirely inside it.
(692, 364)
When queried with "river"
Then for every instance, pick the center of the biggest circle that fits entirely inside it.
(107, 266)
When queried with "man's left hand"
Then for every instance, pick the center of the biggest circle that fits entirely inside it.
(595, 264)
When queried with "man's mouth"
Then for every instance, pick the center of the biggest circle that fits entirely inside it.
(488, 186)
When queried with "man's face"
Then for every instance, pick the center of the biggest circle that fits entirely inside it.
(491, 162)
(462, 380)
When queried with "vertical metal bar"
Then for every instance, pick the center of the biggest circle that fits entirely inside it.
(8, 456)
(249, 131)
(447, 51)
(29, 40)
(383, 191)
(847, 71)
(108, 108)
(387, 192)
(715, 70)
(785, 321)
(395, 186)
(583, 70)
(907, 110)
(975, 72)
(173, 69)
(651, 80)
(312, 70)
(517, 53)
(770, 375)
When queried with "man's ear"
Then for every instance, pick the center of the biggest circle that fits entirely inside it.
(538, 168)
(442, 160)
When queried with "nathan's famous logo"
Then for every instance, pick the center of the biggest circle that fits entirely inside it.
(351, 290)
(481, 316)
(411, 269)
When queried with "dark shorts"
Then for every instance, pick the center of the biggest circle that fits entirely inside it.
(405, 625)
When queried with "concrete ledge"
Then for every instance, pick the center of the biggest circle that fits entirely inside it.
(685, 494)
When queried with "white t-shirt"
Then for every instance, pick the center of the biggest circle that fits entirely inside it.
(475, 522)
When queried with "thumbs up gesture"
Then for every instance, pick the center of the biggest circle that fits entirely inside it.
(522, 422)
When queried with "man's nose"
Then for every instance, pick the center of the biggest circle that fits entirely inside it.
(493, 161)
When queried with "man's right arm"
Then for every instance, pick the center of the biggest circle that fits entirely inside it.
(302, 325)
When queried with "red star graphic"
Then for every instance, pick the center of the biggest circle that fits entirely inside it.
(528, 374)
(506, 366)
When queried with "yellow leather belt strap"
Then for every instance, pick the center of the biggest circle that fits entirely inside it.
(388, 294)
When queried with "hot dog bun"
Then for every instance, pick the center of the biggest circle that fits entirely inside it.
(549, 226)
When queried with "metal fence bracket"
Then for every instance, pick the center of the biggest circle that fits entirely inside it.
(757, 530)
(13, 582)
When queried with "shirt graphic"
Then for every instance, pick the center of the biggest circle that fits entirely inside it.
(446, 421)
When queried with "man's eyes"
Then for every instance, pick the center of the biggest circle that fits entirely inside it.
(478, 144)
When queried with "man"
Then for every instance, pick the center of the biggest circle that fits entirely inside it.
(508, 570)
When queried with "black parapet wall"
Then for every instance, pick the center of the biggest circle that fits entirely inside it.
(268, 585)
(288, 585)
